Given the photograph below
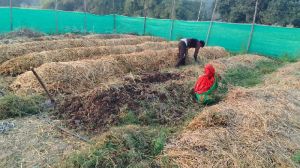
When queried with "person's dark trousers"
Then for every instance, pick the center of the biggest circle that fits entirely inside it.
(182, 53)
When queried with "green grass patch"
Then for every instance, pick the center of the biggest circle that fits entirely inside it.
(296, 157)
(245, 76)
(127, 146)
(15, 106)
(128, 117)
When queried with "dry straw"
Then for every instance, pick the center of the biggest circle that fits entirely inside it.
(22, 39)
(22, 64)
(221, 65)
(80, 76)
(257, 127)
(10, 51)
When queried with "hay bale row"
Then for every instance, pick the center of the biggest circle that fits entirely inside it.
(24, 39)
(22, 64)
(14, 50)
(286, 77)
(80, 76)
(248, 60)
(256, 127)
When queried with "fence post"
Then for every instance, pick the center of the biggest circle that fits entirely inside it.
(56, 17)
(173, 19)
(114, 14)
(85, 16)
(252, 27)
(201, 1)
(11, 16)
(145, 17)
(211, 22)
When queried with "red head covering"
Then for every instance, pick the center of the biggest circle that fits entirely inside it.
(206, 81)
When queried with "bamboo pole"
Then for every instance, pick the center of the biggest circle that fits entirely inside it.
(173, 19)
(56, 17)
(198, 18)
(85, 16)
(11, 16)
(252, 27)
(114, 13)
(211, 22)
(145, 17)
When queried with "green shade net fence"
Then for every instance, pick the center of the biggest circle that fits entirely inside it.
(267, 40)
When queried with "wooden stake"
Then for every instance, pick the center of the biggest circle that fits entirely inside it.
(173, 19)
(85, 16)
(114, 13)
(145, 17)
(211, 22)
(56, 17)
(252, 27)
(42, 84)
(201, 1)
(11, 16)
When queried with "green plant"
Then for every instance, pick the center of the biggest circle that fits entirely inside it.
(129, 117)
(14, 106)
(287, 58)
(296, 157)
(127, 146)
(249, 76)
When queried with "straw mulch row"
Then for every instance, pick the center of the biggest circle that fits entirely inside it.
(14, 50)
(223, 64)
(80, 76)
(22, 64)
(20, 38)
(258, 127)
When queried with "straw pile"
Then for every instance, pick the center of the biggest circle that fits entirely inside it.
(109, 36)
(213, 53)
(69, 77)
(14, 50)
(22, 64)
(287, 77)
(247, 60)
(23, 39)
(80, 76)
(257, 127)
(206, 54)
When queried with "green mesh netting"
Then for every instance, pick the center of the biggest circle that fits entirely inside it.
(233, 37)
(39, 20)
(4, 20)
(129, 25)
(267, 40)
(276, 41)
(188, 29)
(158, 27)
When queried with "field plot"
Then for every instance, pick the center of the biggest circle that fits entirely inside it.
(124, 93)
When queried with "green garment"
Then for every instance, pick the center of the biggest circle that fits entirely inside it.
(206, 97)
